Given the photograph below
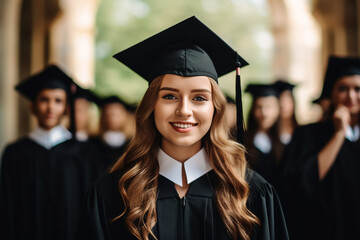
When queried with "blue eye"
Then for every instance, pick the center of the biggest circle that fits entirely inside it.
(169, 97)
(200, 98)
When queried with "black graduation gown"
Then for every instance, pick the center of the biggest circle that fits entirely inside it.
(192, 217)
(265, 164)
(110, 154)
(41, 191)
(327, 209)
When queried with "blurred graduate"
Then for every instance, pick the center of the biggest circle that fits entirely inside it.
(262, 140)
(45, 175)
(117, 126)
(322, 162)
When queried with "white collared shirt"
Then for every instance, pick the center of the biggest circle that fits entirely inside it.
(114, 138)
(285, 138)
(352, 134)
(50, 138)
(82, 136)
(262, 142)
(195, 167)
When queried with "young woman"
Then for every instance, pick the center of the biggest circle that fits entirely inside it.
(322, 162)
(287, 119)
(117, 126)
(262, 140)
(181, 177)
(84, 120)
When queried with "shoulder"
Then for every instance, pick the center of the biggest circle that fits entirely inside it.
(18, 146)
(259, 187)
(314, 127)
(106, 188)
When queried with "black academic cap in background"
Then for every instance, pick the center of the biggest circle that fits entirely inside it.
(283, 85)
(115, 99)
(86, 94)
(339, 67)
(187, 49)
(52, 77)
(229, 99)
(262, 90)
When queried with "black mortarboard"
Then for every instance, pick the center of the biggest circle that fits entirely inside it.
(262, 90)
(115, 99)
(52, 77)
(188, 48)
(339, 67)
(282, 85)
(86, 94)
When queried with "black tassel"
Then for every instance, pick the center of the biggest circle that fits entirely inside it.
(239, 109)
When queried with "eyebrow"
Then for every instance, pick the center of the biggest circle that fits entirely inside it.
(177, 90)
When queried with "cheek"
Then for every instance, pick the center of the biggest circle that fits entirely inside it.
(206, 113)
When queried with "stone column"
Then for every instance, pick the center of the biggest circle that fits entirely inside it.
(73, 39)
(9, 34)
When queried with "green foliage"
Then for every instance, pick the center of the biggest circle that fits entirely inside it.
(243, 24)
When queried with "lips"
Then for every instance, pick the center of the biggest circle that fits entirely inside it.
(183, 127)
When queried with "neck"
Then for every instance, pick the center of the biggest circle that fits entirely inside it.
(286, 125)
(47, 128)
(180, 153)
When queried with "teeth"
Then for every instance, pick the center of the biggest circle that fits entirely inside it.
(182, 125)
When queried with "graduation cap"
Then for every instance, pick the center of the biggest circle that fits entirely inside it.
(52, 77)
(86, 94)
(338, 67)
(262, 90)
(115, 99)
(282, 85)
(187, 49)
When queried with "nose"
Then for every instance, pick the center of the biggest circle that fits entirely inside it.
(184, 108)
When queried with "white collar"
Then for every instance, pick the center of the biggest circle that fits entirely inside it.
(285, 138)
(82, 136)
(262, 142)
(114, 138)
(50, 138)
(195, 167)
(352, 134)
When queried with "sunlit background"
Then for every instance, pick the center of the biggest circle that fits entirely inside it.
(281, 39)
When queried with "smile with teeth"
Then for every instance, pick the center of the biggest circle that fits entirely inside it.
(183, 125)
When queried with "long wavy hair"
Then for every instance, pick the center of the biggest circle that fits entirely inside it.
(138, 185)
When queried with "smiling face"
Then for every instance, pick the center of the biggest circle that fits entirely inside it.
(183, 111)
(346, 91)
(49, 107)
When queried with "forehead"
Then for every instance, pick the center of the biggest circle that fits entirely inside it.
(186, 83)
(56, 92)
(266, 100)
(349, 80)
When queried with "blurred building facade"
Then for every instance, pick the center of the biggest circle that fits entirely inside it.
(34, 33)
